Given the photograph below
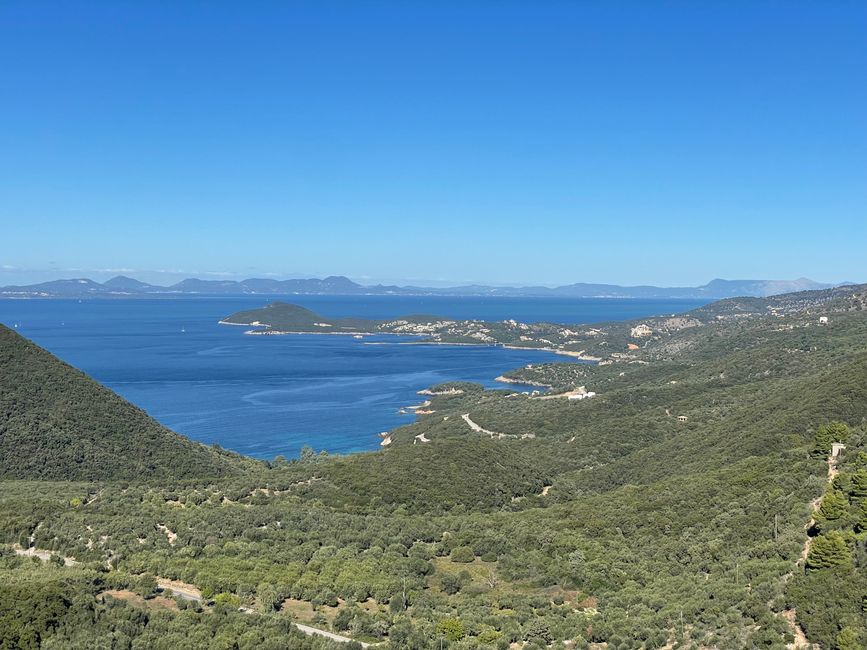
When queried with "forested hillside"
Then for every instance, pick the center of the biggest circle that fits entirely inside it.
(691, 502)
(58, 423)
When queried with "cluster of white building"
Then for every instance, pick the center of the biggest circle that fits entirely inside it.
(586, 395)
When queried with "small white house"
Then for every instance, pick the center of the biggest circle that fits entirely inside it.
(823, 320)
(836, 448)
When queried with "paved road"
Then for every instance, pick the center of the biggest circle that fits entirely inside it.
(186, 594)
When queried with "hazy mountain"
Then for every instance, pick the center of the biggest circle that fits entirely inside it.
(123, 286)
(194, 285)
(57, 289)
(125, 283)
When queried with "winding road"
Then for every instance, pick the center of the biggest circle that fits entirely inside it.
(189, 592)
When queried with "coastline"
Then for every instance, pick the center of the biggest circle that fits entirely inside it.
(526, 382)
(566, 353)
(268, 331)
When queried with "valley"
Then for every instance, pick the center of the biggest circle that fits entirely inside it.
(616, 522)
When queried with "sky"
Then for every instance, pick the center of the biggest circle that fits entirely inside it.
(538, 142)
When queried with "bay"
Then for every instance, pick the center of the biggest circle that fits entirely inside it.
(265, 396)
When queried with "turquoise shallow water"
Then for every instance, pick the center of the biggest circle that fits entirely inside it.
(270, 395)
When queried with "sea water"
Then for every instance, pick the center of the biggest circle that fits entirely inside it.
(270, 395)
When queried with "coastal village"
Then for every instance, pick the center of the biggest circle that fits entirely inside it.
(601, 354)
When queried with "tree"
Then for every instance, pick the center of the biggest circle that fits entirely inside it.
(822, 443)
(463, 554)
(397, 603)
(490, 578)
(267, 598)
(451, 584)
(861, 524)
(847, 640)
(538, 629)
(145, 585)
(859, 483)
(834, 506)
(826, 435)
(839, 431)
(451, 628)
(489, 636)
(828, 551)
(227, 601)
(344, 617)
(577, 561)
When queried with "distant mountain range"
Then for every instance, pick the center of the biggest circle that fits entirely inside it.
(126, 287)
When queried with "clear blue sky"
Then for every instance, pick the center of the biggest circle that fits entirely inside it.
(500, 142)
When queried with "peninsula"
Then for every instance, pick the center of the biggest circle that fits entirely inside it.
(711, 479)
(611, 342)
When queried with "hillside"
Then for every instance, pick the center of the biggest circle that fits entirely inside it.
(681, 506)
(59, 424)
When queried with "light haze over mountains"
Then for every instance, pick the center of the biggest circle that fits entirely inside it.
(126, 287)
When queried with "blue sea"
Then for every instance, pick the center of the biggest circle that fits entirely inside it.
(270, 395)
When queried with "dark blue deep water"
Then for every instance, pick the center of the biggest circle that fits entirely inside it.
(270, 395)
